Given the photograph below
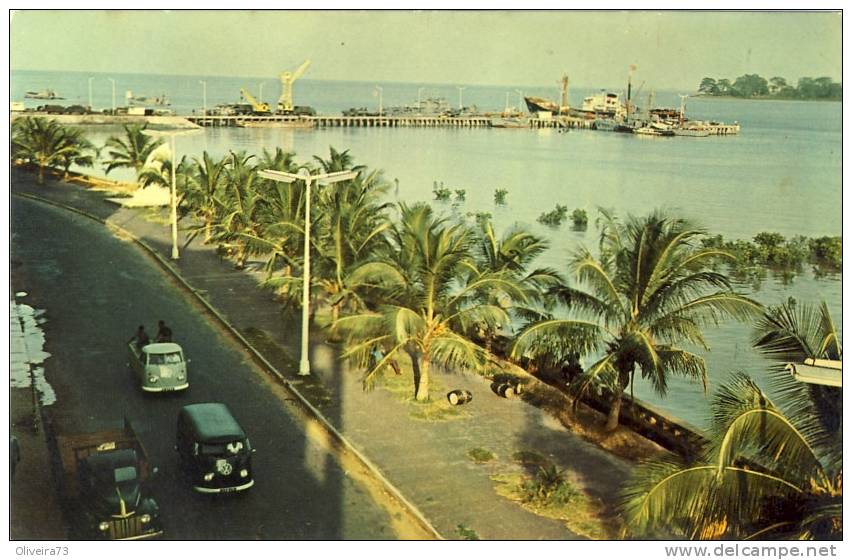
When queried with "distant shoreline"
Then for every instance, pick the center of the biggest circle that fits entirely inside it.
(762, 98)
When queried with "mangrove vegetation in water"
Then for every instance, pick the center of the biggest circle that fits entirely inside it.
(752, 86)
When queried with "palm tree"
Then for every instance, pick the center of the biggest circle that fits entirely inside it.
(238, 221)
(337, 161)
(351, 225)
(425, 311)
(204, 189)
(791, 333)
(132, 151)
(766, 474)
(512, 255)
(82, 153)
(45, 143)
(651, 289)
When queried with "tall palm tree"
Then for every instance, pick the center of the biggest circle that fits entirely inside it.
(651, 289)
(513, 254)
(425, 311)
(338, 161)
(204, 189)
(238, 223)
(351, 227)
(766, 474)
(45, 143)
(82, 153)
(131, 151)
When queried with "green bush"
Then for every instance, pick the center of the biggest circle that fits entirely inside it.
(480, 455)
(440, 192)
(500, 196)
(555, 217)
(549, 487)
(828, 251)
(580, 218)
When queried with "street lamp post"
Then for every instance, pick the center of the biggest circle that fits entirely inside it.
(171, 134)
(203, 97)
(325, 178)
(461, 89)
(113, 94)
(379, 89)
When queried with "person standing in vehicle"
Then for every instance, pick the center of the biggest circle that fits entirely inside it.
(164, 334)
(141, 337)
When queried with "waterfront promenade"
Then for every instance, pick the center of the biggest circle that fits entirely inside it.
(427, 460)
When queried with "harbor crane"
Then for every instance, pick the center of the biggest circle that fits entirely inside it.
(257, 107)
(285, 102)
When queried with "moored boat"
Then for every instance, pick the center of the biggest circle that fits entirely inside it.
(43, 94)
(277, 124)
(510, 122)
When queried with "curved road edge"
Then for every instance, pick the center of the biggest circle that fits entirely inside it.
(342, 445)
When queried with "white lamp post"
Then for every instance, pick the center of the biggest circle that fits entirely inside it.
(379, 89)
(113, 94)
(90, 93)
(203, 96)
(461, 89)
(171, 135)
(325, 178)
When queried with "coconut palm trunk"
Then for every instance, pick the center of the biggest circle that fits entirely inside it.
(422, 390)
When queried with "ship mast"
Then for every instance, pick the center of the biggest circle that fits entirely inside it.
(682, 107)
(629, 89)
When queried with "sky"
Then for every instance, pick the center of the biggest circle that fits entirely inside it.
(671, 50)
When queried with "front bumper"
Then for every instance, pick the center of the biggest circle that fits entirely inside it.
(225, 489)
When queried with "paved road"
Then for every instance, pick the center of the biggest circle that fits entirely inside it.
(96, 289)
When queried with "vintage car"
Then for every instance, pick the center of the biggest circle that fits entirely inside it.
(214, 450)
(160, 367)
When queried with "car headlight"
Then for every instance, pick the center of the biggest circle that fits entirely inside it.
(181, 377)
(145, 518)
(152, 379)
(103, 525)
(244, 473)
(208, 477)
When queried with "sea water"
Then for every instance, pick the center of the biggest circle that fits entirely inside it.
(782, 173)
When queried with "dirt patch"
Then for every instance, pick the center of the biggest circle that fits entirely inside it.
(589, 423)
(581, 513)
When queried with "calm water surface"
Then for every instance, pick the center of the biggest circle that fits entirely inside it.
(782, 173)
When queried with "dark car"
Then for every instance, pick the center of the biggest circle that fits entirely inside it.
(213, 448)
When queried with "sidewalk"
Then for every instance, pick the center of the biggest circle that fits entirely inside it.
(426, 460)
(34, 512)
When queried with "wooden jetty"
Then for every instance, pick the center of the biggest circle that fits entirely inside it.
(333, 121)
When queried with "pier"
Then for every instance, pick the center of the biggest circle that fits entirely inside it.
(339, 121)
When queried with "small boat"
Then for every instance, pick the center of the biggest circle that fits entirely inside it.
(43, 94)
(277, 124)
(161, 101)
(614, 125)
(653, 129)
(510, 122)
(694, 131)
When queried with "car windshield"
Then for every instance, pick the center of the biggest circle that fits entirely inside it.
(125, 474)
(163, 359)
(231, 448)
